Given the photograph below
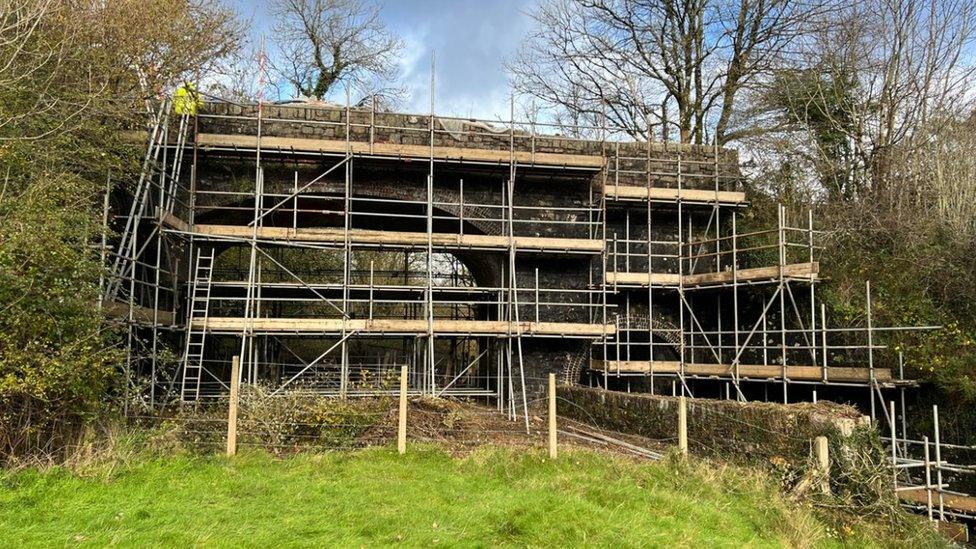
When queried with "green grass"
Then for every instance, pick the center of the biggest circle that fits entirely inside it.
(375, 497)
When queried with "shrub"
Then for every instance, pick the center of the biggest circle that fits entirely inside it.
(283, 423)
(56, 356)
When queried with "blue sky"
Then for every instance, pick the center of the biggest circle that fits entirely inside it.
(471, 40)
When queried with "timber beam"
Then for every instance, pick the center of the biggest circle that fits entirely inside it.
(442, 327)
(399, 239)
(662, 194)
(746, 371)
(293, 145)
(804, 271)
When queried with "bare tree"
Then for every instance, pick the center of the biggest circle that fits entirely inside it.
(324, 43)
(867, 85)
(938, 178)
(635, 60)
(64, 62)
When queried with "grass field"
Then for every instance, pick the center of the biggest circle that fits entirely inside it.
(375, 497)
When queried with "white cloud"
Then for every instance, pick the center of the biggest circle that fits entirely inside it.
(471, 40)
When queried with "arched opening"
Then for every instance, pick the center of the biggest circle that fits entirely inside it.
(296, 281)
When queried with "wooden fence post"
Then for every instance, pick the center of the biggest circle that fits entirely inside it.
(683, 425)
(552, 416)
(822, 454)
(235, 374)
(402, 425)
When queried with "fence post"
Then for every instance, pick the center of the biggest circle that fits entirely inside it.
(683, 425)
(552, 416)
(822, 455)
(235, 375)
(402, 425)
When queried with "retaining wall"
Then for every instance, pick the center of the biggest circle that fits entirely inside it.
(755, 432)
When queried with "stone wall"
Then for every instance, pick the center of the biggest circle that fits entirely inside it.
(554, 202)
(754, 432)
(542, 208)
(701, 166)
(774, 437)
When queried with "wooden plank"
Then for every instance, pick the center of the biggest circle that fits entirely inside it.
(795, 270)
(752, 371)
(211, 140)
(170, 221)
(120, 311)
(399, 326)
(965, 504)
(640, 279)
(636, 192)
(397, 238)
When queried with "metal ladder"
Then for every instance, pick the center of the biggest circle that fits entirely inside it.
(174, 176)
(196, 336)
(123, 258)
(158, 137)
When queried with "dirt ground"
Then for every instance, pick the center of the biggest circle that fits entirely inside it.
(462, 426)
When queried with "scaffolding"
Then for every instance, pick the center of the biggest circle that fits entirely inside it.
(672, 292)
(326, 269)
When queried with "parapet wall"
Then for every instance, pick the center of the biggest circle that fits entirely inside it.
(701, 166)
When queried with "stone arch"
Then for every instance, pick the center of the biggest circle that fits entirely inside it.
(666, 331)
(485, 271)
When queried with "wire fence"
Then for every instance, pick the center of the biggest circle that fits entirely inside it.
(852, 475)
